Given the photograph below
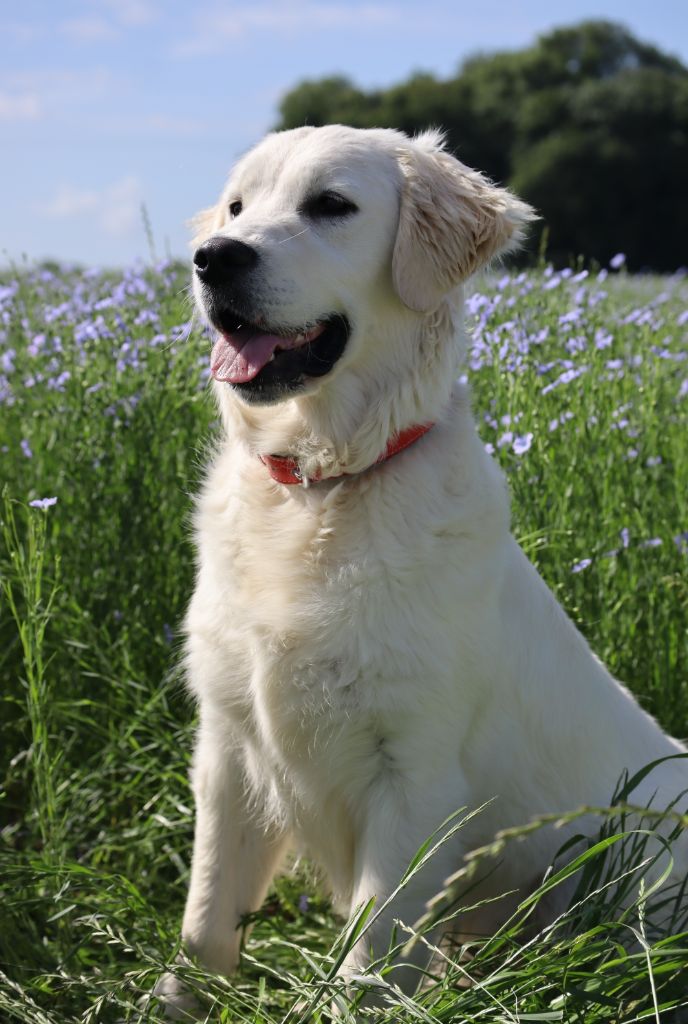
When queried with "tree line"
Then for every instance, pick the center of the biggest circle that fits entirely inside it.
(589, 124)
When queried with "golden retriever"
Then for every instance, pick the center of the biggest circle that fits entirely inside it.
(369, 647)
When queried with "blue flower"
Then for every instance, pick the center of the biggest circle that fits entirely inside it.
(583, 564)
(42, 502)
(522, 443)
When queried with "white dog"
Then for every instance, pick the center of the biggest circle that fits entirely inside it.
(369, 646)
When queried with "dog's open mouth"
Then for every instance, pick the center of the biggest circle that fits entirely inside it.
(240, 354)
(265, 364)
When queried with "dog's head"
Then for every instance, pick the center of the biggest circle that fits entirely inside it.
(327, 239)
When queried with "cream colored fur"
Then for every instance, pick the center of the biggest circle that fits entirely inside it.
(373, 652)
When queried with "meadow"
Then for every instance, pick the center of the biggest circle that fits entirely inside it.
(580, 388)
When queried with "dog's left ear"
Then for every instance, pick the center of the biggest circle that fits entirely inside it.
(452, 221)
(204, 224)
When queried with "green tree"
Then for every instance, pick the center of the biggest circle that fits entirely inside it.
(612, 176)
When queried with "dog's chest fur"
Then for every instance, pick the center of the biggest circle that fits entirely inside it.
(338, 611)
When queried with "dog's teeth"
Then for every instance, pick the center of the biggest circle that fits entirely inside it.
(271, 357)
(300, 337)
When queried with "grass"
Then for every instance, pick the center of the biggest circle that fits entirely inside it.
(105, 407)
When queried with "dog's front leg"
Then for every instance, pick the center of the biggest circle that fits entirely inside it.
(234, 858)
(396, 827)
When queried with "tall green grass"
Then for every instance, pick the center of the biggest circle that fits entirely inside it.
(104, 406)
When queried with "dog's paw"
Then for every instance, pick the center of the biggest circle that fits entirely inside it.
(176, 1000)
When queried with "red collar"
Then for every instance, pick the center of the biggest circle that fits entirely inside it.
(285, 470)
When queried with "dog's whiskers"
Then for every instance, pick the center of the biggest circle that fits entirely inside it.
(290, 237)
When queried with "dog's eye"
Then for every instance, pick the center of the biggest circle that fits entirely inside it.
(235, 208)
(330, 204)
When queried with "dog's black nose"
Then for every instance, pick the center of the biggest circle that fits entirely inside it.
(219, 259)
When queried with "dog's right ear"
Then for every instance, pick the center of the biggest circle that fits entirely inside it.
(452, 221)
(204, 224)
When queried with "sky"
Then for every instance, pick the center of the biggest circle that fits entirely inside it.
(106, 105)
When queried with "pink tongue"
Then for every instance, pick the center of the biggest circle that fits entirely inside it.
(239, 357)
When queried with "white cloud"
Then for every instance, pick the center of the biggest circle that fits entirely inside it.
(131, 12)
(115, 209)
(121, 211)
(108, 20)
(70, 201)
(21, 32)
(88, 29)
(214, 28)
(56, 86)
(22, 107)
(47, 93)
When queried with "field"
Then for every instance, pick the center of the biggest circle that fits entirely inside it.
(580, 383)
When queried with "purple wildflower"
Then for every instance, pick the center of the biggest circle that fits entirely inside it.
(42, 503)
(625, 535)
(522, 443)
(651, 542)
(616, 262)
(58, 383)
(572, 317)
(564, 378)
(583, 564)
(603, 339)
(26, 448)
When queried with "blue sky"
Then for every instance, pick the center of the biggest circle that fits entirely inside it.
(105, 104)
